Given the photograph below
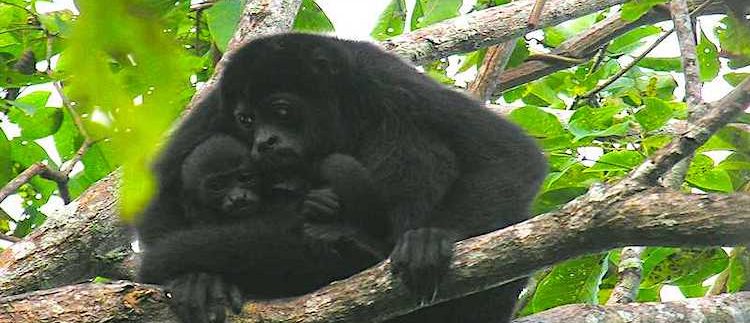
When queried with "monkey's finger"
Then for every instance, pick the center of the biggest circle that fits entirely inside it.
(235, 298)
(218, 301)
(197, 302)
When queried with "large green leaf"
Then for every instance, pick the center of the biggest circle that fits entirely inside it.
(537, 122)
(428, 12)
(617, 161)
(708, 59)
(734, 37)
(735, 78)
(222, 19)
(573, 281)
(634, 9)
(311, 18)
(391, 21)
(704, 175)
(554, 36)
(654, 114)
(596, 122)
(6, 171)
(739, 269)
(728, 138)
(632, 40)
(662, 64)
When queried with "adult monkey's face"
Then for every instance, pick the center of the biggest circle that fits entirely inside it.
(274, 125)
(284, 96)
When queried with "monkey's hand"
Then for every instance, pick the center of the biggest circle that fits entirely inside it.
(203, 298)
(421, 258)
(321, 205)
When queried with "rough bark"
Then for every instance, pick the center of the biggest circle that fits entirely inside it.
(83, 303)
(495, 59)
(74, 244)
(666, 218)
(726, 308)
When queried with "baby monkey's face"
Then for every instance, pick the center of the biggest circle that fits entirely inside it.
(234, 192)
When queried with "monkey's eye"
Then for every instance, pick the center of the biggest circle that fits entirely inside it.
(245, 119)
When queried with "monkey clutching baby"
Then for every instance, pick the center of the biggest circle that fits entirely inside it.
(444, 167)
(235, 207)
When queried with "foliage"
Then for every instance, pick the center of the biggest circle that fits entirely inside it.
(128, 67)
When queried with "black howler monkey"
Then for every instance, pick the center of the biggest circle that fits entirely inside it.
(446, 167)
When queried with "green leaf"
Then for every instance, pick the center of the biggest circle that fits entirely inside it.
(734, 38)
(44, 122)
(574, 175)
(654, 114)
(704, 175)
(735, 79)
(595, 122)
(67, 138)
(32, 102)
(222, 19)
(708, 59)
(554, 36)
(681, 267)
(553, 199)
(34, 220)
(573, 281)
(654, 143)
(428, 12)
(6, 166)
(634, 9)
(617, 161)
(728, 138)
(662, 64)
(311, 18)
(391, 21)
(632, 40)
(537, 122)
(739, 268)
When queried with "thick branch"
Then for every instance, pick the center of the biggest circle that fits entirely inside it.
(667, 218)
(726, 308)
(485, 28)
(493, 65)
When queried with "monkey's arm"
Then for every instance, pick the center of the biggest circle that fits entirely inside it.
(223, 249)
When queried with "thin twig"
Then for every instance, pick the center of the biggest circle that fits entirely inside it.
(22, 178)
(556, 58)
(10, 30)
(9, 238)
(536, 14)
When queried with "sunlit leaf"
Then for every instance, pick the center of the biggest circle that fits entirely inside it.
(708, 59)
(391, 22)
(634, 9)
(631, 40)
(705, 176)
(537, 122)
(222, 19)
(617, 161)
(311, 18)
(654, 114)
(662, 64)
(428, 12)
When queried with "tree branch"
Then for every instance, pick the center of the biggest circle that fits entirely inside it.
(726, 308)
(667, 218)
(486, 27)
(493, 65)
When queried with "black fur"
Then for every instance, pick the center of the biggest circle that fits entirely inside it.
(446, 167)
(247, 235)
